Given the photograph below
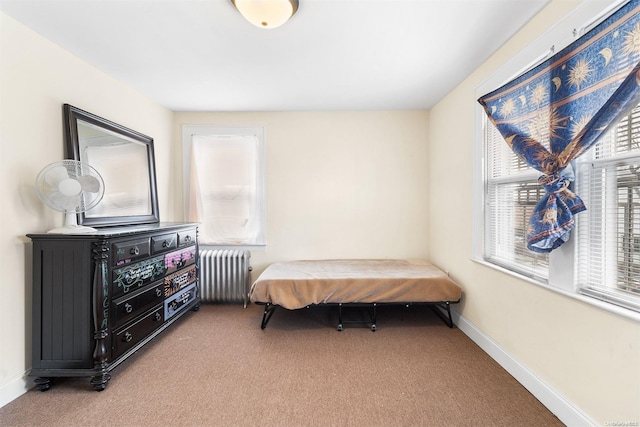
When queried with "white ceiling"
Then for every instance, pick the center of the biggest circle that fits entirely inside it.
(201, 55)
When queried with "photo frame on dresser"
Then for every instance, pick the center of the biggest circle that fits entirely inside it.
(124, 158)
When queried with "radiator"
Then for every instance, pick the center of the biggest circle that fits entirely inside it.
(225, 275)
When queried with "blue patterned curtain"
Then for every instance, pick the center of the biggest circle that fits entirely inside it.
(558, 110)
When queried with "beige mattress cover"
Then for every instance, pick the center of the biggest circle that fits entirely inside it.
(297, 284)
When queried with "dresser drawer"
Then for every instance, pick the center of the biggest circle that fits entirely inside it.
(135, 276)
(129, 251)
(186, 237)
(164, 242)
(129, 306)
(178, 280)
(131, 334)
(180, 301)
(180, 258)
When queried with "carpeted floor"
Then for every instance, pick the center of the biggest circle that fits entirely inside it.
(216, 367)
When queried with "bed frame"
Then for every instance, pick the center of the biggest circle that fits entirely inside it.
(442, 309)
(349, 283)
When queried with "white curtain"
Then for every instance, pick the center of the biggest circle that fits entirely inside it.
(225, 189)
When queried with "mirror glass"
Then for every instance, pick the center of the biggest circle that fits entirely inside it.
(125, 160)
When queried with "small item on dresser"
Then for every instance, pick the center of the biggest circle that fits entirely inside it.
(70, 186)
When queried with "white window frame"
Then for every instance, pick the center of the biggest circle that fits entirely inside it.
(561, 278)
(255, 130)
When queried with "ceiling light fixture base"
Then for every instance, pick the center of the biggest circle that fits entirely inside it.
(266, 14)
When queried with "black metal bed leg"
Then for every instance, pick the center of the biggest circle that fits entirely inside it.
(371, 310)
(373, 318)
(446, 306)
(268, 312)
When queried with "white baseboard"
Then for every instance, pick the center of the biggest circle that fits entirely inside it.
(14, 388)
(554, 401)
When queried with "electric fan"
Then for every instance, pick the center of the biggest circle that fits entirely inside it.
(70, 186)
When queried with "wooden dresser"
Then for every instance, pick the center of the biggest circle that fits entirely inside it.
(99, 297)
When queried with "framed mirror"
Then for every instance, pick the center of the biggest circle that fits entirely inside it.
(126, 161)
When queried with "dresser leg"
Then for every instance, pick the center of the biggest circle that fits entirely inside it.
(99, 382)
(43, 384)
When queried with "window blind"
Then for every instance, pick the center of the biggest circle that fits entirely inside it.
(511, 193)
(608, 262)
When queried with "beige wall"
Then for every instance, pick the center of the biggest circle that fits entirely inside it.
(339, 184)
(37, 78)
(589, 356)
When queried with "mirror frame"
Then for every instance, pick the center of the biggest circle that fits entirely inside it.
(72, 146)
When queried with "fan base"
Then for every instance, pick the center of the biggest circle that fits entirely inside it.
(72, 229)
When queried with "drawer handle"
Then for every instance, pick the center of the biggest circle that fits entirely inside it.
(127, 337)
(165, 244)
(187, 238)
(128, 308)
(158, 292)
(158, 317)
(135, 251)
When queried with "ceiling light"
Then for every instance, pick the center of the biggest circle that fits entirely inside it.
(266, 13)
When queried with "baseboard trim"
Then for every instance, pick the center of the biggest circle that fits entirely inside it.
(554, 401)
(14, 388)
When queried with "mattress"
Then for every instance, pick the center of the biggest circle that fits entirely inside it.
(297, 284)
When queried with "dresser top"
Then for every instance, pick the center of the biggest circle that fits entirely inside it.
(119, 231)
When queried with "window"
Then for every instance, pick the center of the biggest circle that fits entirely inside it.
(224, 183)
(600, 264)
(512, 191)
(608, 234)
(609, 231)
